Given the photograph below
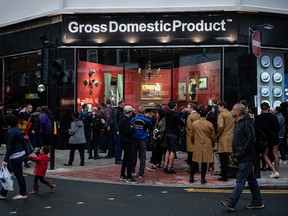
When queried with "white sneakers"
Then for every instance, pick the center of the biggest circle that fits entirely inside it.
(2, 197)
(274, 175)
(19, 197)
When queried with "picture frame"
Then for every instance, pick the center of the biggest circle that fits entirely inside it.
(182, 91)
(192, 90)
(203, 82)
(151, 91)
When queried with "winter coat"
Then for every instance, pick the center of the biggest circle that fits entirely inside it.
(192, 117)
(173, 123)
(244, 140)
(203, 138)
(41, 165)
(141, 124)
(45, 124)
(14, 142)
(76, 132)
(225, 127)
(161, 126)
(126, 131)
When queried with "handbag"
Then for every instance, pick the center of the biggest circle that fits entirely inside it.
(6, 179)
(29, 149)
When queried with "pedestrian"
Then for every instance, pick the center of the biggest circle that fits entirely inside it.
(40, 169)
(45, 126)
(141, 125)
(14, 156)
(244, 152)
(203, 138)
(97, 128)
(83, 116)
(159, 148)
(118, 113)
(173, 125)
(77, 139)
(37, 139)
(224, 135)
(282, 135)
(268, 123)
(109, 130)
(126, 131)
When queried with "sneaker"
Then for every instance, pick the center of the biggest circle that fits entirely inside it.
(228, 205)
(255, 205)
(140, 175)
(132, 181)
(19, 197)
(171, 171)
(152, 168)
(283, 162)
(122, 178)
(2, 197)
(274, 175)
(165, 169)
(52, 188)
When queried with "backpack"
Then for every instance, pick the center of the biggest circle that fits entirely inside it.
(36, 123)
(96, 123)
(84, 119)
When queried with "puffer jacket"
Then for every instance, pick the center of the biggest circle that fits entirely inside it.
(76, 132)
(244, 140)
(41, 166)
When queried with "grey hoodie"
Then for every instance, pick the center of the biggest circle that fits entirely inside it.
(76, 132)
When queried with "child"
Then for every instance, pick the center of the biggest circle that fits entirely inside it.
(41, 166)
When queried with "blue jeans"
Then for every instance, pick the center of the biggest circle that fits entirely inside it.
(118, 147)
(245, 173)
(141, 146)
(17, 169)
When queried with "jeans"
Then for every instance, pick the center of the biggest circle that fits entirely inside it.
(17, 169)
(118, 147)
(245, 173)
(141, 146)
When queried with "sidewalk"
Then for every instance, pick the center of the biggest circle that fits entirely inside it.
(105, 170)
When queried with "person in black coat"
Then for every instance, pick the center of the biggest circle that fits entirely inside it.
(125, 132)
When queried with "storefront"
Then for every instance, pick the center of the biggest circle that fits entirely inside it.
(145, 59)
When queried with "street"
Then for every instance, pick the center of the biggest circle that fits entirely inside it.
(87, 198)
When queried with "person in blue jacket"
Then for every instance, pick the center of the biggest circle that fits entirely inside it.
(141, 125)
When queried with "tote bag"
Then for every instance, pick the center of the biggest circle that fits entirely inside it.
(6, 179)
(27, 146)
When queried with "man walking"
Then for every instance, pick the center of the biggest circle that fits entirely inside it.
(141, 124)
(225, 126)
(244, 151)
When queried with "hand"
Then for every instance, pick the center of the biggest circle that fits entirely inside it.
(117, 132)
(4, 163)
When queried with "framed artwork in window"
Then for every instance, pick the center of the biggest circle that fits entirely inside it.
(151, 91)
(192, 91)
(182, 91)
(203, 82)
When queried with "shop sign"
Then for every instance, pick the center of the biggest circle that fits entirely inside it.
(143, 29)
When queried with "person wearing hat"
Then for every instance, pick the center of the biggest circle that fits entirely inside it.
(268, 123)
(141, 124)
(126, 131)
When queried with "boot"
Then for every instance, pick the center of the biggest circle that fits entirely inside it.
(52, 186)
(35, 190)
(192, 173)
(203, 172)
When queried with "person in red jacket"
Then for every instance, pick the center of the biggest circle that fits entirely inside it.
(40, 169)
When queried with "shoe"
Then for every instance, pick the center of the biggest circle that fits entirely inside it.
(19, 197)
(81, 164)
(228, 205)
(223, 179)
(151, 168)
(283, 162)
(263, 169)
(132, 181)
(140, 175)
(203, 181)
(191, 180)
(165, 169)
(97, 157)
(122, 178)
(133, 174)
(274, 175)
(118, 162)
(255, 205)
(52, 188)
(171, 171)
(90, 157)
(108, 157)
(68, 164)
(2, 197)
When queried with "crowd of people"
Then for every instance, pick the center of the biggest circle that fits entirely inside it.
(197, 130)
